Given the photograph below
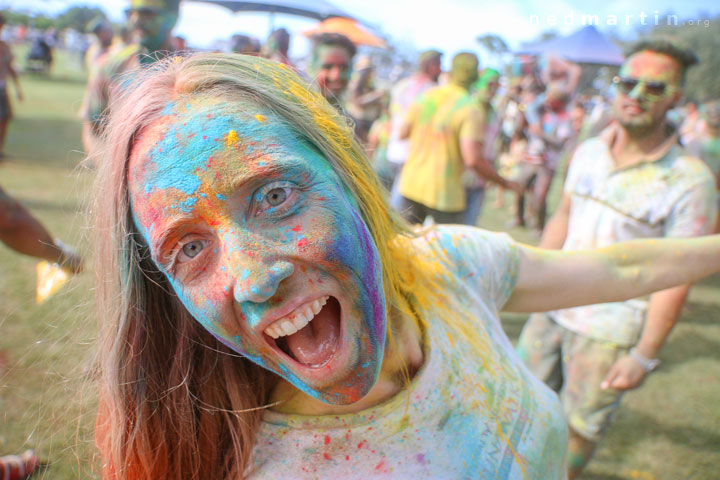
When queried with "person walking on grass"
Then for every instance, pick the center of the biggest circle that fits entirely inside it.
(633, 181)
(7, 70)
(446, 128)
(152, 22)
(331, 66)
(402, 96)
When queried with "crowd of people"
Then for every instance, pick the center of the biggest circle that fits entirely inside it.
(291, 281)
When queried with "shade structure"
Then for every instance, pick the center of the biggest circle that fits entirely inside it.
(586, 45)
(348, 27)
(317, 9)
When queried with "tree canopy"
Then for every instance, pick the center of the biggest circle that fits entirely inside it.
(74, 17)
(703, 37)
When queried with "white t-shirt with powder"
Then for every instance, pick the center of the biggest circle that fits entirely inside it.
(470, 412)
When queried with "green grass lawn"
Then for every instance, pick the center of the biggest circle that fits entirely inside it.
(46, 400)
(669, 429)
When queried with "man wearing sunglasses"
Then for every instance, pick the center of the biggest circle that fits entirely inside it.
(633, 181)
(151, 23)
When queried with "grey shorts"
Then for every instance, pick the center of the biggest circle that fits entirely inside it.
(530, 172)
(574, 366)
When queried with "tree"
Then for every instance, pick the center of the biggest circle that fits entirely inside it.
(703, 37)
(16, 18)
(494, 45)
(78, 17)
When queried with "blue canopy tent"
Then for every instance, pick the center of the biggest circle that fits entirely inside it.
(586, 45)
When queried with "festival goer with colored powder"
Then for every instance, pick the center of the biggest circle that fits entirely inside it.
(331, 66)
(485, 90)
(549, 130)
(265, 314)
(152, 22)
(446, 128)
(509, 109)
(364, 102)
(634, 181)
(510, 162)
(103, 32)
(277, 47)
(402, 96)
(244, 45)
(6, 70)
(560, 74)
(377, 146)
(706, 146)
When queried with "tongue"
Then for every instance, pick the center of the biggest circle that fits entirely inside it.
(316, 343)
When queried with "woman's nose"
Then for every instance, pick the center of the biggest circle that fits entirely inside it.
(258, 281)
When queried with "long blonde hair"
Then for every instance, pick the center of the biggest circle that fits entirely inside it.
(176, 403)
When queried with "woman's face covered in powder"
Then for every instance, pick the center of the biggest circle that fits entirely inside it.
(262, 244)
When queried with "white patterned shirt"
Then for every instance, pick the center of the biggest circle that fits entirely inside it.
(669, 196)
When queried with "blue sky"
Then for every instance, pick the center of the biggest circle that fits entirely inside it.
(449, 25)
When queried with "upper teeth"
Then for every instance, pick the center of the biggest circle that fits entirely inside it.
(296, 320)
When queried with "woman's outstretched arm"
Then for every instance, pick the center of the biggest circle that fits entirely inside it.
(555, 279)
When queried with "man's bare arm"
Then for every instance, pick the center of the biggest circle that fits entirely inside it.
(552, 279)
(23, 233)
(471, 151)
(555, 231)
(663, 313)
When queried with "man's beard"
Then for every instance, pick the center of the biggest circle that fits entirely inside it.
(641, 129)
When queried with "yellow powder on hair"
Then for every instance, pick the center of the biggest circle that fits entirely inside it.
(259, 118)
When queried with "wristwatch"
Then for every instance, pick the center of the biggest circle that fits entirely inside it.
(649, 364)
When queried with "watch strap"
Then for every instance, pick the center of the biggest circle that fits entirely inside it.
(649, 364)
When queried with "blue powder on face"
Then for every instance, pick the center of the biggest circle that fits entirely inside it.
(187, 205)
(178, 155)
(181, 159)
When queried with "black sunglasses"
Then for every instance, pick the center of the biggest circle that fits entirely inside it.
(653, 90)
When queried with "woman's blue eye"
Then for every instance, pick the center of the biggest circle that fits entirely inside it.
(192, 249)
(276, 196)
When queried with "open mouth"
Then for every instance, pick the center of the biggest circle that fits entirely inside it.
(311, 334)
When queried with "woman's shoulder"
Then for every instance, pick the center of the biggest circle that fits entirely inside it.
(456, 242)
(473, 260)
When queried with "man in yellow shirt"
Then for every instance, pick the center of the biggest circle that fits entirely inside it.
(446, 129)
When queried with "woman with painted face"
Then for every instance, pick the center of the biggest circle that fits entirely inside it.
(266, 315)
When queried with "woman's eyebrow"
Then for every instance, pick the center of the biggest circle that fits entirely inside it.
(261, 170)
(171, 229)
